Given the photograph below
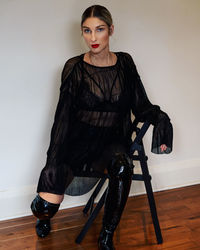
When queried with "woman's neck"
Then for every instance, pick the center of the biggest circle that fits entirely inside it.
(105, 58)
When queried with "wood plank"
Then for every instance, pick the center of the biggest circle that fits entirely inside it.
(178, 212)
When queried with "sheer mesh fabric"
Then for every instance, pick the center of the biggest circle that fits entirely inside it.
(93, 116)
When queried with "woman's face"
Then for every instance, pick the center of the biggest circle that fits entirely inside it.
(96, 34)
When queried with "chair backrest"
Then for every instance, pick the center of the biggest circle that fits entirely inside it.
(140, 132)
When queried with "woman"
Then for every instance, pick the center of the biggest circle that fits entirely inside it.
(92, 123)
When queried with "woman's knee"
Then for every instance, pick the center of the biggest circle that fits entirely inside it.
(121, 166)
(53, 198)
(43, 209)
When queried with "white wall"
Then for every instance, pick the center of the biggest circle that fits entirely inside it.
(37, 37)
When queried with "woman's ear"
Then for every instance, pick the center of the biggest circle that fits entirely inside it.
(111, 30)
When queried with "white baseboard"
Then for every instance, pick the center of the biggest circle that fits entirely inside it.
(16, 202)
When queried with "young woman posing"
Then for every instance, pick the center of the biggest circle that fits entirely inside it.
(99, 91)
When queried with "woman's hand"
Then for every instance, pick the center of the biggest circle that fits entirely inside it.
(163, 147)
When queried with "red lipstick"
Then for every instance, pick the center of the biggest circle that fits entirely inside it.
(95, 46)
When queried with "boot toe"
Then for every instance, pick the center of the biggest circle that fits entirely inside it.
(43, 227)
(105, 241)
(103, 246)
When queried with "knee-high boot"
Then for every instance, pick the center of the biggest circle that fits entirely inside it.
(120, 176)
(43, 210)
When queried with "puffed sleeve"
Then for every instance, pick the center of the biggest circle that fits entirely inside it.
(144, 110)
(64, 113)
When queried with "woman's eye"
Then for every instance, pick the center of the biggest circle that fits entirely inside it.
(100, 29)
(86, 30)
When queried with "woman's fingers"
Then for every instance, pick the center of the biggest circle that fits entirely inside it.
(163, 147)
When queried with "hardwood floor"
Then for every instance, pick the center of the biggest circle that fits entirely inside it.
(178, 211)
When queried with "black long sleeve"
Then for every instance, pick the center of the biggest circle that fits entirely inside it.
(61, 119)
(57, 174)
(144, 110)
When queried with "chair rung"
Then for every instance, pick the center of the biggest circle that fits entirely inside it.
(139, 177)
(136, 157)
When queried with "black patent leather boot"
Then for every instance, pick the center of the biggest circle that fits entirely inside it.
(43, 210)
(120, 174)
(106, 239)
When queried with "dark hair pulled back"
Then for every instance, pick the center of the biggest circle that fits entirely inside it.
(97, 11)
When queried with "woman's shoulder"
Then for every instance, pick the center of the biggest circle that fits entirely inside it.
(124, 55)
(73, 60)
(125, 59)
(70, 65)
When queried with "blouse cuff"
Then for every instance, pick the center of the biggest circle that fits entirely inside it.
(162, 134)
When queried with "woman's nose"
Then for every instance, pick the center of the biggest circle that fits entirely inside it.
(93, 37)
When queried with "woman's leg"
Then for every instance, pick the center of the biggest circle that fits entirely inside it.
(53, 198)
(46, 203)
(44, 207)
(120, 173)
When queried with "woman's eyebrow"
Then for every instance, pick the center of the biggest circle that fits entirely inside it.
(100, 25)
(85, 27)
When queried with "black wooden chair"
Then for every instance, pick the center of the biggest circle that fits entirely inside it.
(136, 146)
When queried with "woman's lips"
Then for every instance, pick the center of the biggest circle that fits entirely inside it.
(95, 45)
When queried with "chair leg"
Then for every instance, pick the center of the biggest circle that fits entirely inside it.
(151, 200)
(91, 218)
(90, 202)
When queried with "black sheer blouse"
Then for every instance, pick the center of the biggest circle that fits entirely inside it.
(93, 116)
